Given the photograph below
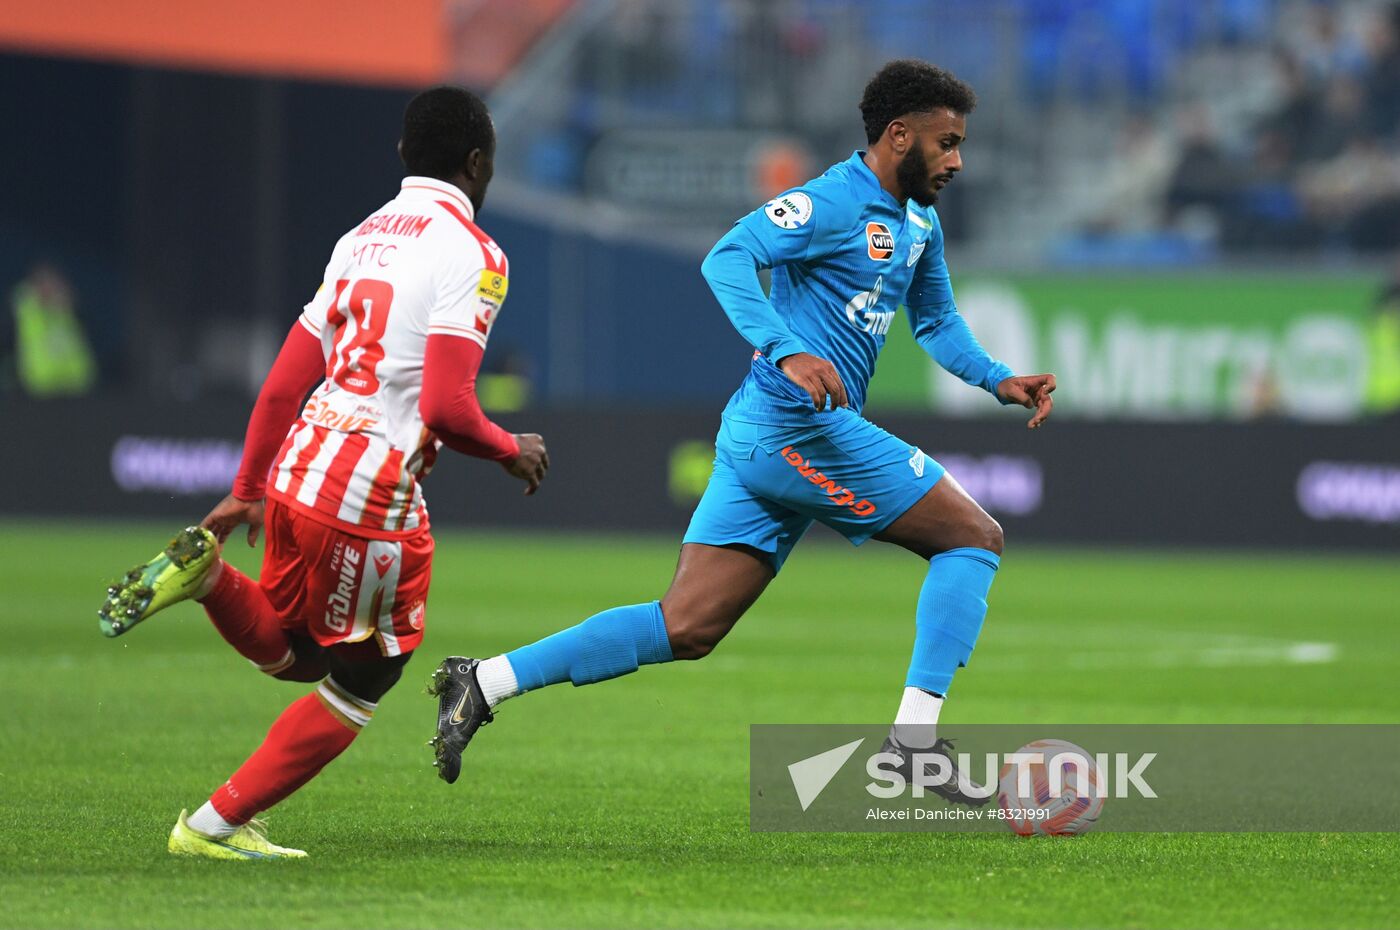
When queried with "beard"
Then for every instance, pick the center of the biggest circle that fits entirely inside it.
(912, 175)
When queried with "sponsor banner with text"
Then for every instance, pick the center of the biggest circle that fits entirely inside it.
(1265, 483)
(1163, 347)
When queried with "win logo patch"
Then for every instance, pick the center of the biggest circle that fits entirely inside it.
(879, 242)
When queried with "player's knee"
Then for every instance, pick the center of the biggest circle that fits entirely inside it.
(310, 661)
(978, 533)
(303, 670)
(371, 680)
(691, 637)
(691, 645)
(992, 537)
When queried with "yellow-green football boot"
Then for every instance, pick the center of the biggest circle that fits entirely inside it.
(248, 843)
(171, 577)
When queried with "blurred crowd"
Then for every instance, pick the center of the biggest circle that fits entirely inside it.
(1303, 154)
(1138, 132)
(1239, 126)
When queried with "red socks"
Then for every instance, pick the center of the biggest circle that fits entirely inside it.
(243, 616)
(309, 734)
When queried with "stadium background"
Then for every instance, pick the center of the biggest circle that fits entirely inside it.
(1188, 211)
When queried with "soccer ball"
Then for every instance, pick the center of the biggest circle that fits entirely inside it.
(1072, 810)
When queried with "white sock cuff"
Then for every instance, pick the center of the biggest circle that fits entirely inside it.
(916, 723)
(207, 821)
(357, 710)
(497, 680)
(281, 665)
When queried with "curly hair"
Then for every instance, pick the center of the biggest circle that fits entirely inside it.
(441, 127)
(907, 85)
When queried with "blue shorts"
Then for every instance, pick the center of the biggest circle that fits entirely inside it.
(770, 482)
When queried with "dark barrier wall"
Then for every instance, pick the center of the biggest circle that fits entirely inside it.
(221, 198)
(1270, 484)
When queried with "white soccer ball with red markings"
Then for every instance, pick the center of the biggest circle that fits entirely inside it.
(1037, 804)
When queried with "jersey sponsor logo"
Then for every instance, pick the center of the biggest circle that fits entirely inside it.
(879, 242)
(342, 600)
(916, 461)
(789, 211)
(840, 496)
(320, 412)
(394, 224)
(373, 253)
(915, 251)
(862, 310)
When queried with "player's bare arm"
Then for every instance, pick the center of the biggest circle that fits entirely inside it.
(817, 377)
(1032, 392)
(231, 513)
(531, 464)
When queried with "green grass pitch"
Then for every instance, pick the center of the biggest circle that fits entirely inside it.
(626, 803)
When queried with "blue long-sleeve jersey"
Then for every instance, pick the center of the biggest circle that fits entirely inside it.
(845, 255)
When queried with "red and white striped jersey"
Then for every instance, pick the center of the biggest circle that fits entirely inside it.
(417, 265)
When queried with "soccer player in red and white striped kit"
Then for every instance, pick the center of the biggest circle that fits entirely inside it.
(395, 336)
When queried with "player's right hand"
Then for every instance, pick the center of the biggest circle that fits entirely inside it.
(531, 464)
(1032, 392)
(817, 377)
(232, 513)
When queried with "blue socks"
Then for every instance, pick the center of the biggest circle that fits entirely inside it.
(606, 645)
(952, 605)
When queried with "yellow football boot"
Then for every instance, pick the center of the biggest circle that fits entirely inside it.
(248, 843)
(171, 577)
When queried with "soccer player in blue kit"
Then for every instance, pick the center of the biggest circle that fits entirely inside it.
(846, 249)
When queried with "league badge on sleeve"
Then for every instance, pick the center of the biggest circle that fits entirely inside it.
(492, 287)
(490, 293)
(789, 211)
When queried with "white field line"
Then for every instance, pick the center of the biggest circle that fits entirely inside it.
(1300, 653)
(1028, 647)
(1141, 648)
(1003, 647)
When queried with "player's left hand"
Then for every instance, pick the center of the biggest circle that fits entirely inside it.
(531, 464)
(1032, 392)
(230, 513)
